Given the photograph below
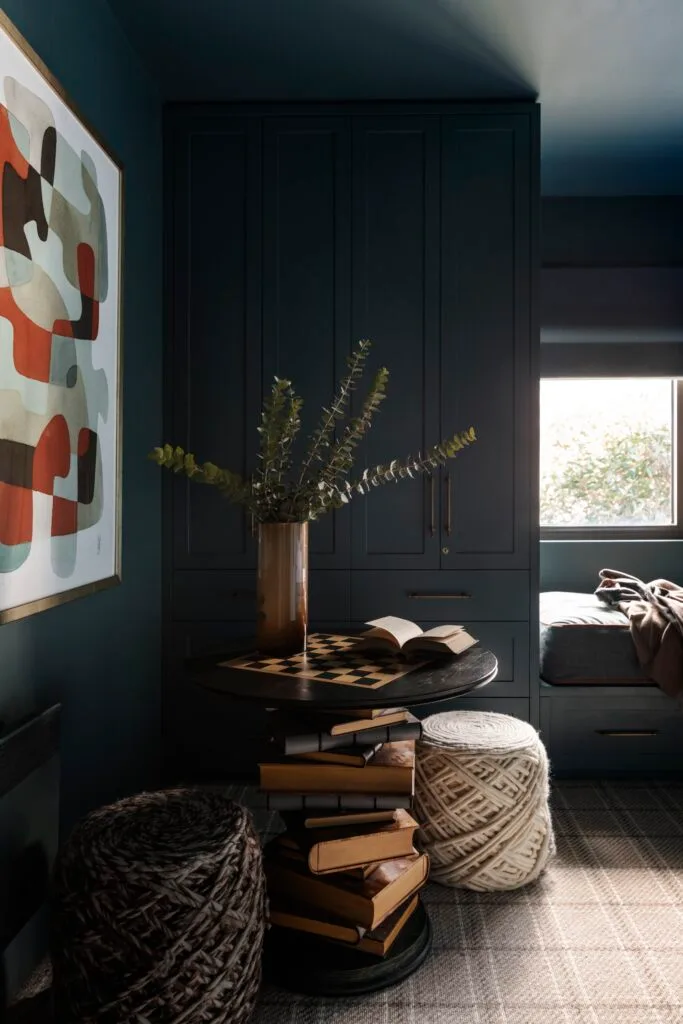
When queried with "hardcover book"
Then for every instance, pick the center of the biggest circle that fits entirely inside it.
(297, 737)
(363, 714)
(339, 849)
(392, 770)
(342, 818)
(308, 919)
(354, 757)
(336, 802)
(365, 902)
(356, 722)
(292, 853)
(392, 633)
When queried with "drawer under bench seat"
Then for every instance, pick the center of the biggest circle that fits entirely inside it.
(613, 734)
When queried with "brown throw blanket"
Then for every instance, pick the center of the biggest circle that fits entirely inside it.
(655, 614)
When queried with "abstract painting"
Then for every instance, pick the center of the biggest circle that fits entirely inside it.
(60, 258)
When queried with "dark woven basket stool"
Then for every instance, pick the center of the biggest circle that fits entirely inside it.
(159, 912)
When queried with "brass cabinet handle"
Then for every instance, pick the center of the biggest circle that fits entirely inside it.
(432, 512)
(462, 596)
(449, 508)
(627, 732)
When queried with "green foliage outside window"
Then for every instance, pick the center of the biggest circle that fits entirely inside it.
(609, 465)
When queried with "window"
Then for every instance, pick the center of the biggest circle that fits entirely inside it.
(609, 457)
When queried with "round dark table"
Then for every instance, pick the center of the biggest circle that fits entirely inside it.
(440, 679)
(300, 962)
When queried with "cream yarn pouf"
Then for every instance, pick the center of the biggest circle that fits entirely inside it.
(481, 796)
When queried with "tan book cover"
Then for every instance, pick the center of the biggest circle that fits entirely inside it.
(365, 902)
(307, 919)
(391, 717)
(311, 921)
(380, 940)
(354, 757)
(339, 849)
(392, 770)
(348, 818)
(370, 714)
(293, 853)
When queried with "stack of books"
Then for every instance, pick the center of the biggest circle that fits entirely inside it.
(346, 868)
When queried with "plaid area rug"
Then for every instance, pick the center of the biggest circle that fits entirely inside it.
(597, 940)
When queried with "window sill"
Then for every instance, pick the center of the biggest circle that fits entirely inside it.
(625, 533)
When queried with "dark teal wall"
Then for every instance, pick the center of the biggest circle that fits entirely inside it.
(100, 655)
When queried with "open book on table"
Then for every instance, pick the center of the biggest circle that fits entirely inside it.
(391, 633)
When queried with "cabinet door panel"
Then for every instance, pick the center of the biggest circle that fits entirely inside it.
(486, 339)
(395, 305)
(216, 305)
(307, 281)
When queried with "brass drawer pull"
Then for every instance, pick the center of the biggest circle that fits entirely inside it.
(627, 732)
(449, 505)
(439, 597)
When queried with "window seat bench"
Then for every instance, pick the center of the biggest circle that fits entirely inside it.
(600, 714)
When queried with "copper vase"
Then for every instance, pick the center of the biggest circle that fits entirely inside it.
(282, 588)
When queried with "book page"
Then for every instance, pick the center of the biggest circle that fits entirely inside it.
(442, 632)
(401, 629)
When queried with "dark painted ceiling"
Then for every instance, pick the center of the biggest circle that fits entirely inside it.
(608, 73)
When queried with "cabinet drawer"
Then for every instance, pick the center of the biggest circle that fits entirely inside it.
(509, 641)
(443, 596)
(518, 708)
(206, 596)
(583, 735)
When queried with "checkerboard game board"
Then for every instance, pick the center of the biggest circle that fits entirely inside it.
(330, 658)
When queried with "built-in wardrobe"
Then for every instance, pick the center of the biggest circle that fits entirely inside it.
(292, 232)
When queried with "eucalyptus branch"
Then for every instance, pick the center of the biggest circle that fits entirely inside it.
(271, 495)
(341, 457)
(322, 435)
(342, 454)
(398, 469)
(271, 427)
(232, 485)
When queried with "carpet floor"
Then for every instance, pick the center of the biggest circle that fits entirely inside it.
(597, 940)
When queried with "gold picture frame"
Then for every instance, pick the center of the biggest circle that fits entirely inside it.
(60, 343)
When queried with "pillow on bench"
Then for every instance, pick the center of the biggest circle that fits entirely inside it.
(585, 642)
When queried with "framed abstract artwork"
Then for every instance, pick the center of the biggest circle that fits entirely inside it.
(60, 344)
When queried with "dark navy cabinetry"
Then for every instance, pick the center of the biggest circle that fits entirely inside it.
(293, 231)
(396, 267)
(486, 338)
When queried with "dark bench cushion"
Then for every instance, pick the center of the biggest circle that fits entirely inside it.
(585, 642)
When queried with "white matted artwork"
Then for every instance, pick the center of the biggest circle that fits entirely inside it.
(60, 386)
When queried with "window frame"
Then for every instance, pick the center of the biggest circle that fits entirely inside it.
(674, 531)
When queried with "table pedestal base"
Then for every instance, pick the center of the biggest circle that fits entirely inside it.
(307, 964)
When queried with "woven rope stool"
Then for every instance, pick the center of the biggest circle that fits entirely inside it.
(481, 795)
(159, 912)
